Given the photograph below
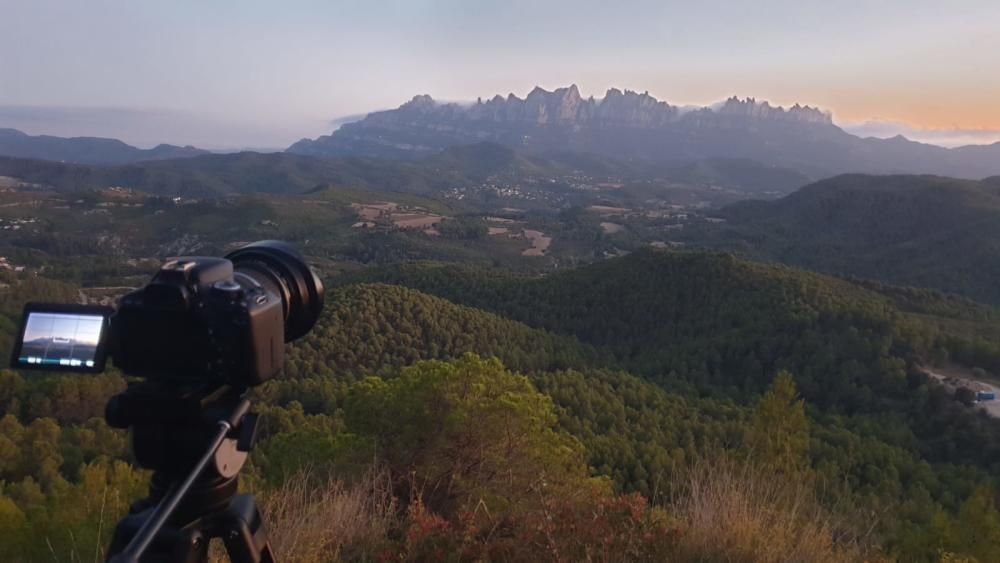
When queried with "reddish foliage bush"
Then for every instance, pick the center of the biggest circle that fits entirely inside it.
(592, 526)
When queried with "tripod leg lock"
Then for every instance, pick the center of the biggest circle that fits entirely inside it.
(233, 451)
(246, 435)
(243, 532)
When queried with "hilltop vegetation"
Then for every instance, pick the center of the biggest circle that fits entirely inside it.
(921, 231)
(374, 328)
(637, 372)
(724, 326)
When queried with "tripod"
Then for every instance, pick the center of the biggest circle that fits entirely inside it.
(195, 442)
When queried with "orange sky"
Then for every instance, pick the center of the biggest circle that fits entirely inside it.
(941, 110)
(287, 69)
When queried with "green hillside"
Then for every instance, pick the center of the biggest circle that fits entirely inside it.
(650, 306)
(377, 328)
(748, 175)
(219, 174)
(277, 173)
(724, 326)
(922, 231)
(716, 328)
(210, 175)
(861, 398)
(649, 366)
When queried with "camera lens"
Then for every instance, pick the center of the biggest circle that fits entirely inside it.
(280, 268)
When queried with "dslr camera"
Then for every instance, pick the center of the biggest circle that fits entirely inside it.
(203, 319)
(200, 334)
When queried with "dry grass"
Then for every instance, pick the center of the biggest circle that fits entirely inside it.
(310, 521)
(736, 513)
(728, 512)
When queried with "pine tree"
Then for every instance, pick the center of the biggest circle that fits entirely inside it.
(976, 530)
(778, 436)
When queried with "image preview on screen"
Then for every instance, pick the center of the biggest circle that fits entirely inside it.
(61, 339)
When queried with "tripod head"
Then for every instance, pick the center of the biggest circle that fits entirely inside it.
(171, 428)
(195, 441)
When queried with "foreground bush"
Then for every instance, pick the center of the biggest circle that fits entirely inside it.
(471, 467)
(737, 512)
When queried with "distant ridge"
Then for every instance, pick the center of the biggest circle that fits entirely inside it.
(85, 150)
(249, 172)
(632, 125)
(923, 231)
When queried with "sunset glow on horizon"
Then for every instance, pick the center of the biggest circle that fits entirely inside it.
(255, 73)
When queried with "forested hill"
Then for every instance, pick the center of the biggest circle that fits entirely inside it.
(250, 172)
(201, 176)
(377, 328)
(637, 369)
(91, 150)
(715, 328)
(653, 308)
(923, 231)
(724, 325)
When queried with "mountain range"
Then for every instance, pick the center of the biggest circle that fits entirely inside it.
(623, 125)
(632, 125)
(85, 150)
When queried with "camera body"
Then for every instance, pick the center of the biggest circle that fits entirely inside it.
(198, 319)
(202, 320)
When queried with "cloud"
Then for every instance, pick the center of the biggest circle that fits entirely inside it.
(949, 137)
(345, 119)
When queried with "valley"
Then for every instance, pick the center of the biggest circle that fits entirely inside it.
(651, 315)
(550, 216)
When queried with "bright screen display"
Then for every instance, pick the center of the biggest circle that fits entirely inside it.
(61, 339)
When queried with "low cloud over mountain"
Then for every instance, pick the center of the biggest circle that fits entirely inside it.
(948, 137)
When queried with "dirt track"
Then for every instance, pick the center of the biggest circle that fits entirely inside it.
(991, 407)
(539, 243)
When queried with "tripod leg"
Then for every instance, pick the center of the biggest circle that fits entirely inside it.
(171, 545)
(243, 532)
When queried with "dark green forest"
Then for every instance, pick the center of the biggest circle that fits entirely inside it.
(714, 327)
(923, 231)
(635, 371)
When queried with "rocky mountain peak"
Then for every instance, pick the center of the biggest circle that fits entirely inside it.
(751, 108)
(537, 93)
(618, 108)
(420, 101)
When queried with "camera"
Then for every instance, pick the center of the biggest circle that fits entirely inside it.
(199, 334)
(200, 318)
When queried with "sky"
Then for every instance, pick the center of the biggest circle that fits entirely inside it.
(251, 73)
